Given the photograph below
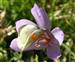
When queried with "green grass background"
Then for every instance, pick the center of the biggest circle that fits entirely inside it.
(60, 12)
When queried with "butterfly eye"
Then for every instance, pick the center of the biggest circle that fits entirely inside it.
(34, 37)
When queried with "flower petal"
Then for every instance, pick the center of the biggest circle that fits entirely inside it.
(23, 22)
(41, 17)
(53, 51)
(14, 45)
(58, 34)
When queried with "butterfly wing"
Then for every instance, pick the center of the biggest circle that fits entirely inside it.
(26, 37)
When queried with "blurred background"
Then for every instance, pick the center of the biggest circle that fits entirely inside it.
(60, 12)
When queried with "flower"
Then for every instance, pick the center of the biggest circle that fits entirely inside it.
(36, 36)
